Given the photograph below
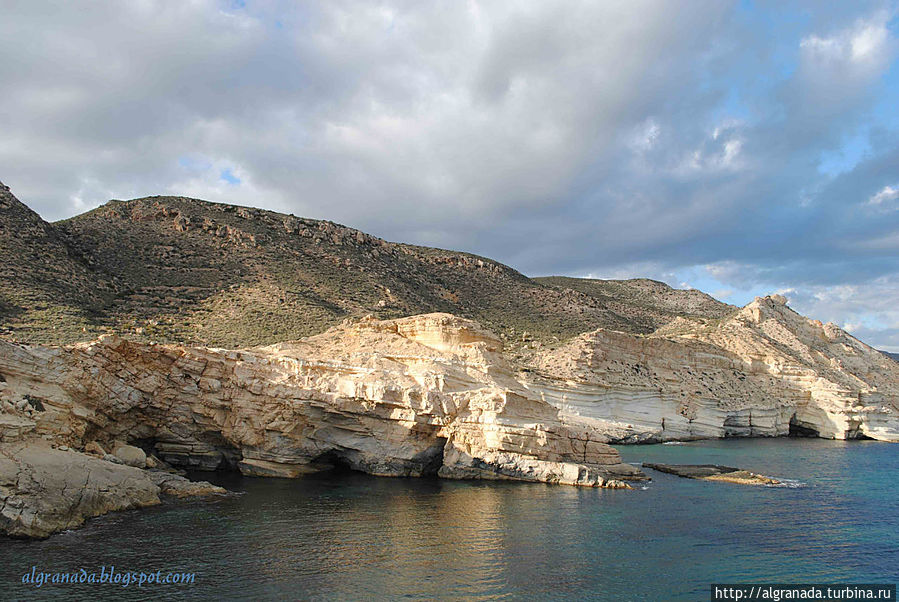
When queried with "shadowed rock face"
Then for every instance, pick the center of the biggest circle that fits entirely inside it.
(42, 281)
(410, 397)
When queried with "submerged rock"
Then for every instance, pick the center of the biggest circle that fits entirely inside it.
(714, 472)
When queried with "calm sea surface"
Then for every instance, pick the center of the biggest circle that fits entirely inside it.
(350, 536)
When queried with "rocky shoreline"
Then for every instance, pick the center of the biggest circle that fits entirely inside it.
(85, 428)
(44, 490)
(430, 395)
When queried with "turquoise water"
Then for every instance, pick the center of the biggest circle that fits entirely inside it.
(351, 536)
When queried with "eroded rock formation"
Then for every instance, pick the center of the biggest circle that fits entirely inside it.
(44, 489)
(428, 395)
(434, 395)
(764, 371)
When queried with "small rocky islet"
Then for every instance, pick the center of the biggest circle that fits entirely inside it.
(713, 472)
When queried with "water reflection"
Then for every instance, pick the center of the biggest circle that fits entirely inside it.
(350, 536)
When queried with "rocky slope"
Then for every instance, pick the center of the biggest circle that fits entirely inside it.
(46, 288)
(172, 269)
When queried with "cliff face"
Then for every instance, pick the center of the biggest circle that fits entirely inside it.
(407, 396)
(425, 395)
(764, 371)
(428, 395)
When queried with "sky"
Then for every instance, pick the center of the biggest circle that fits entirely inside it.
(742, 148)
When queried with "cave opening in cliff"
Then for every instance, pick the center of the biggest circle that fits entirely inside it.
(334, 461)
(856, 433)
(798, 429)
(432, 458)
(213, 454)
(425, 463)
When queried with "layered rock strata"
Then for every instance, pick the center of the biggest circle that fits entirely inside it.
(434, 395)
(764, 371)
(429, 395)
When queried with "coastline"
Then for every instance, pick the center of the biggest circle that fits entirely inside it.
(431, 537)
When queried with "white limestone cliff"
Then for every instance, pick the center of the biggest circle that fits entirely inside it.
(764, 371)
(425, 395)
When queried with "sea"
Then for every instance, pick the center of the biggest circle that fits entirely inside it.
(349, 536)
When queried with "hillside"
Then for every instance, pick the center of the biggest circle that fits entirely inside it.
(175, 269)
(646, 304)
(47, 291)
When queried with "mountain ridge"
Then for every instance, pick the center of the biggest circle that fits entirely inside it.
(176, 269)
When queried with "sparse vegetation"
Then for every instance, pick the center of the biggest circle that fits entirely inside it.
(178, 269)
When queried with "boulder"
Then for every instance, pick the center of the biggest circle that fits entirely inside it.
(131, 456)
(177, 486)
(95, 449)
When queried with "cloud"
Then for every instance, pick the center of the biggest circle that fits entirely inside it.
(885, 197)
(614, 139)
(835, 71)
(866, 311)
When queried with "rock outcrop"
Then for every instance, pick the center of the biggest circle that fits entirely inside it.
(44, 490)
(428, 395)
(714, 472)
(764, 371)
(434, 395)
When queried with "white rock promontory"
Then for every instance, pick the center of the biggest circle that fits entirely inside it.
(429, 395)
